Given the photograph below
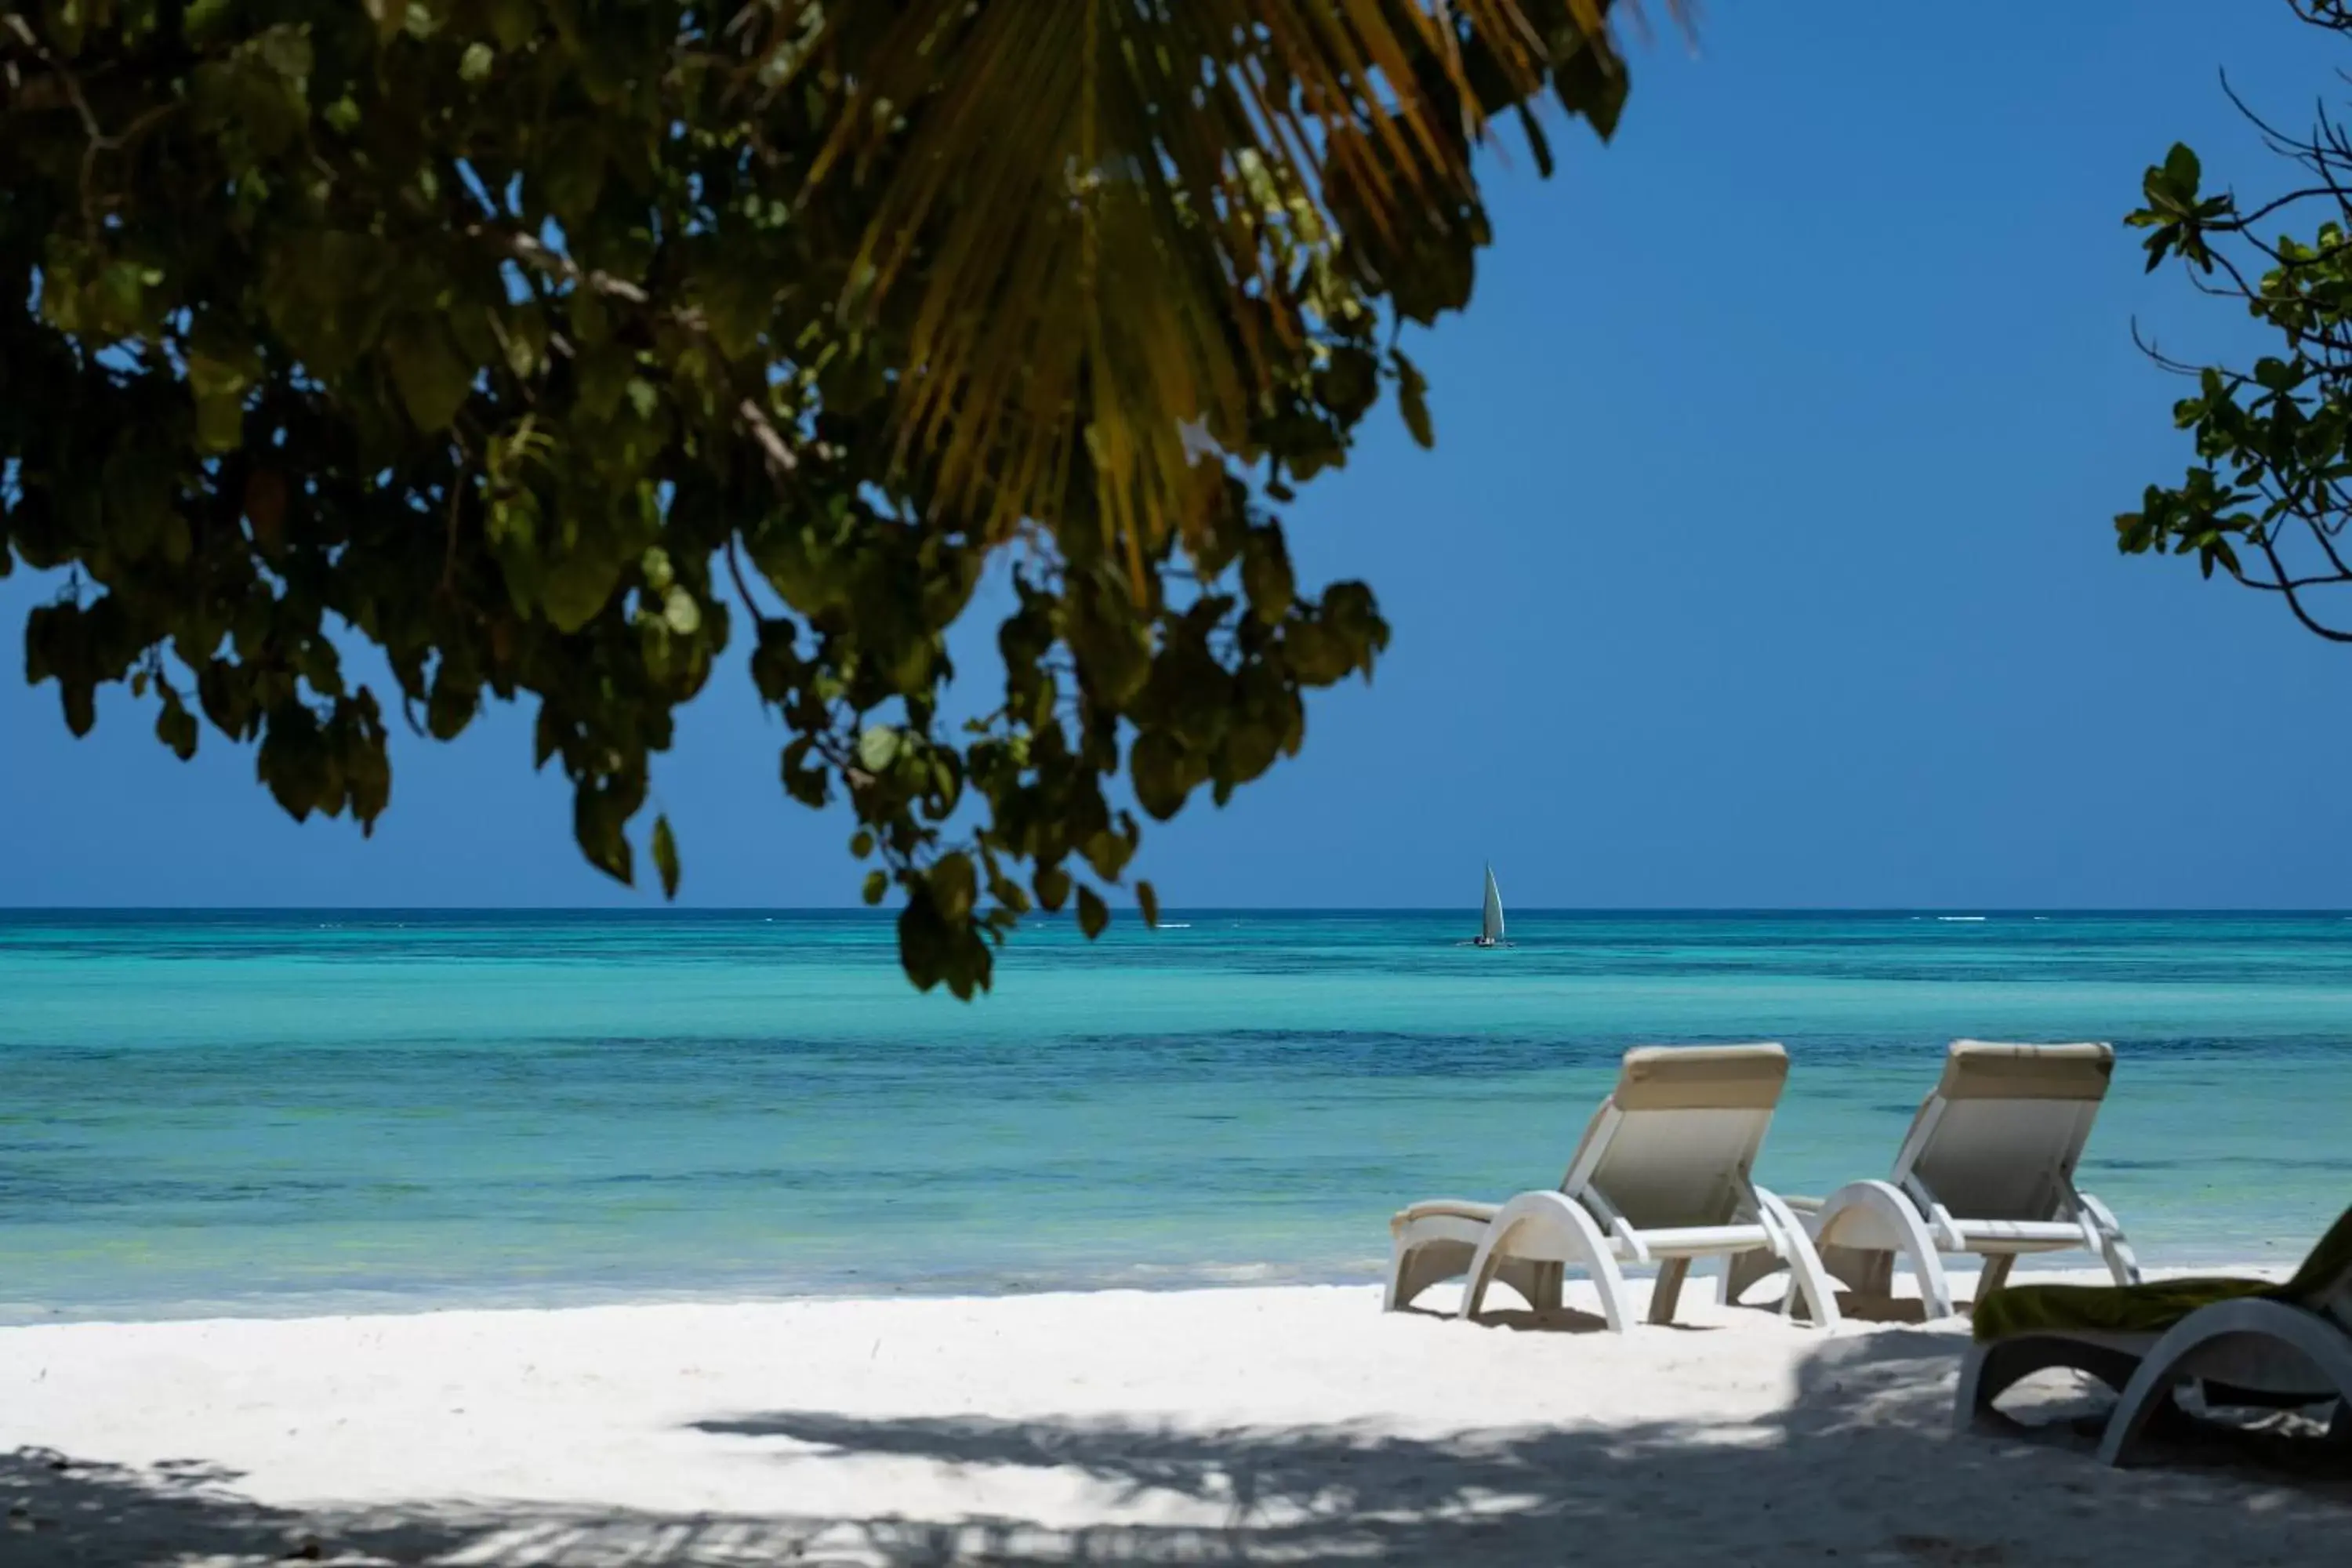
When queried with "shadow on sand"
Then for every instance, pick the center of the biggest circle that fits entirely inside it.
(1861, 1467)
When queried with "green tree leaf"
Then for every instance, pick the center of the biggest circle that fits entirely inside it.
(533, 375)
(1155, 766)
(2182, 170)
(953, 887)
(1412, 399)
(431, 380)
(2266, 500)
(877, 747)
(665, 849)
(177, 726)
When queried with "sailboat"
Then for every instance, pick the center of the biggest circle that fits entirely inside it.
(1490, 920)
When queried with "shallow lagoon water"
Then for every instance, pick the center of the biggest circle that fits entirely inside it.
(293, 1111)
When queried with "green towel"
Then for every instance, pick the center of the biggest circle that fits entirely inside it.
(2153, 1307)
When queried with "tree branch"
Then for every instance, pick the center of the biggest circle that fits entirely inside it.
(2294, 597)
(743, 587)
(524, 248)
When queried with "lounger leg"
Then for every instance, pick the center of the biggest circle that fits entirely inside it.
(1668, 1289)
(2148, 1396)
(1863, 1272)
(1991, 1370)
(1935, 1290)
(1742, 1269)
(2115, 1248)
(1568, 1229)
(1413, 1269)
(1537, 1283)
(1549, 1282)
(2120, 1260)
(1876, 1214)
(2319, 1340)
(1616, 1302)
(1971, 1400)
(1809, 1280)
(1995, 1274)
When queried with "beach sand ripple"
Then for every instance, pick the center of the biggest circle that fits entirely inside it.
(1293, 1425)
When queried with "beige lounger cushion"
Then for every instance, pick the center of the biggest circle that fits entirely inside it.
(1976, 1069)
(1701, 1077)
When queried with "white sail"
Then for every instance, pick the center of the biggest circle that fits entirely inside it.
(1490, 928)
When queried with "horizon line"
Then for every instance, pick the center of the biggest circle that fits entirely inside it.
(669, 911)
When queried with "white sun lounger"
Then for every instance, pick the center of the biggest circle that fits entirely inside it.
(1988, 1169)
(2280, 1345)
(1661, 1177)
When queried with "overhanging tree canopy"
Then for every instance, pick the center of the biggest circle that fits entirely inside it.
(500, 332)
(2271, 492)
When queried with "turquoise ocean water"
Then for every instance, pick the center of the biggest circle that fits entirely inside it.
(297, 1112)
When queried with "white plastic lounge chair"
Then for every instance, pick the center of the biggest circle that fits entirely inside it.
(1988, 1168)
(1661, 1177)
(2247, 1342)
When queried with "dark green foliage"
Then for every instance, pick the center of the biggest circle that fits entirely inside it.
(2267, 499)
(499, 333)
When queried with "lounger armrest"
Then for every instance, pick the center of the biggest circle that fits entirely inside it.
(2101, 1215)
(1466, 1209)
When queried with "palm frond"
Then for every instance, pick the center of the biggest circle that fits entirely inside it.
(1092, 213)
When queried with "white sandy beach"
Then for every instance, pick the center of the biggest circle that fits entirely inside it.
(1289, 1425)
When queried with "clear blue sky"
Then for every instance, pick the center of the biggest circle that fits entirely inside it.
(1764, 560)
